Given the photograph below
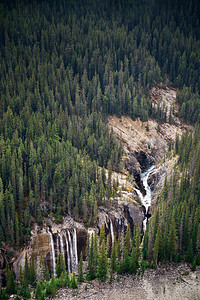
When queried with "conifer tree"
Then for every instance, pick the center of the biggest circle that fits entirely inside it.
(80, 269)
(172, 240)
(60, 265)
(113, 261)
(73, 282)
(102, 234)
(102, 268)
(26, 272)
(156, 248)
(127, 240)
(33, 272)
(91, 270)
(133, 261)
(10, 281)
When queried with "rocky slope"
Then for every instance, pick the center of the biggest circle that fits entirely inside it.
(147, 143)
(171, 282)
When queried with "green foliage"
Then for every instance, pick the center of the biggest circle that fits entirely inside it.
(60, 265)
(113, 260)
(59, 85)
(80, 269)
(51, 287)
(3, 294)
(91, 261)
(174, 232)
(102, 268)
(194, 264)
(73, 282)
(39, 292)
(24, 292)
(10, 281)
(133, 262)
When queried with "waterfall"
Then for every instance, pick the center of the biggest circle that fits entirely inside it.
(61, 245)
(71, 250)
(57, 245)
(52, 252)
(68, 255)
(112, 231)
(139, 194)
(146, 200)
(75, 247)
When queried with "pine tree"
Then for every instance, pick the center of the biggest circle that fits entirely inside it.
(172, 240)
(26, 277)
(119, 246)
(127, 240)
(102, 234)
(33, 271)
(10, 281)
(133, 261)
(60, 265)
(157, 245)
(91, 271)
(73, 282)
(189, 254)
(113, 261)
(102, 268)
(80, 269)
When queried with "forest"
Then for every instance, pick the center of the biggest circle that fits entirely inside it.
(65, 66)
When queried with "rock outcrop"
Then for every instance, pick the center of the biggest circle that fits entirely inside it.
(70, 237)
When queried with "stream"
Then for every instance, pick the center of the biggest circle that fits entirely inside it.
(146, 200)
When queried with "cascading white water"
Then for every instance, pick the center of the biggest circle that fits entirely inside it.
(52, 252)
(139, 194)
(75, 247)
(71, 250)
(112, 231)
(61, 245)
(68, 255)
(146, 200)
(57, 245)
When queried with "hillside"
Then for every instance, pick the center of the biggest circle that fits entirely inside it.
(99, 141)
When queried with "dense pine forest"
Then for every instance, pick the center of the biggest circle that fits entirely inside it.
(64, 67)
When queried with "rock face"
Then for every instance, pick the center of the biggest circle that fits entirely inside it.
(69, 238)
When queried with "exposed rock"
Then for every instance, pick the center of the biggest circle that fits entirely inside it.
(39, 245)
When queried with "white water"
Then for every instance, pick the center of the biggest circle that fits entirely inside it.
(61, 245)
(146, 200)
(112, 231)
(68, 255)
(71, 250)
(75, 247)
(52, 251)
(57, 245)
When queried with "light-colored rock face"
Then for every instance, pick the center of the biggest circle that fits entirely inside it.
(165, 97)
(69, 238)
(150, 137)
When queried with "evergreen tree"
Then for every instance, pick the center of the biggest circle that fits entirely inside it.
(172, 240)
(91, 270)
(80, 269)
(60, 265)
(33, 272)
(102, 268)
(113, 260)
(133, 261)
(10, 281)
